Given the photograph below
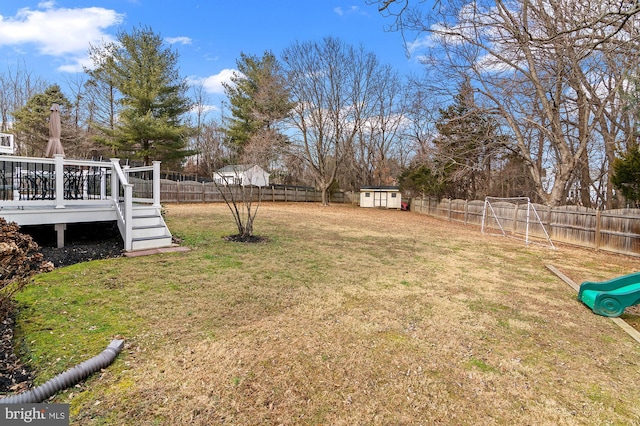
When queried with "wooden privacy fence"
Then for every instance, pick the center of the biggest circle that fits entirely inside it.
(616, 231)
(207, 192)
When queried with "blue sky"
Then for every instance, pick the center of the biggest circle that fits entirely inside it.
(51, 38)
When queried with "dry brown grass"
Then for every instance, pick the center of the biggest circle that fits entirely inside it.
(351, 316)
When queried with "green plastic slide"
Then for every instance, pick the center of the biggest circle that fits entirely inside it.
(610, 298)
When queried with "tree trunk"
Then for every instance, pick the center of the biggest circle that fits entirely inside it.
(324, 189)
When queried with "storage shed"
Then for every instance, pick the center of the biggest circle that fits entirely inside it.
(388, 197)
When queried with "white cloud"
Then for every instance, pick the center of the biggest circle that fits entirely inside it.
(59, 32)
(420, 44)
(213, 83)
(178, 40)
(349, 11)
(76, 64)
(204, 109)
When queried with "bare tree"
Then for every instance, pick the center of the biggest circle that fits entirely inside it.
(80, 141)
(534, 63)
(212, 152)
(102, 98)
(17, 86)
(379, 136)
(330, 82)
(203, 132)
(419, 118)
(237, 184)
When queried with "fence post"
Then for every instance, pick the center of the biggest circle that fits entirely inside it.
(597, 237)
(515, 219)
(466, 211)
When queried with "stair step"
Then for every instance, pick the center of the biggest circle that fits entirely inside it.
(150, 242)
(139, 221)
(149, 231)
(145, 211)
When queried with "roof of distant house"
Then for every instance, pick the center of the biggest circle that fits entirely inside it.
(235, 168)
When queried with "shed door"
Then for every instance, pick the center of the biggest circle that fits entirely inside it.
(379, 199)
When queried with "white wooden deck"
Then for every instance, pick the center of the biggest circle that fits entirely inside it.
(46, 215)
(45, 191)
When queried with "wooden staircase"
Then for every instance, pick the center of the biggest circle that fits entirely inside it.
(149, 229)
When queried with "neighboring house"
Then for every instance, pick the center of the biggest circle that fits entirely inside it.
(380, 196)
(242, 175)
(6, 143)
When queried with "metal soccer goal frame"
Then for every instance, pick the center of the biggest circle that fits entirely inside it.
(532, 214)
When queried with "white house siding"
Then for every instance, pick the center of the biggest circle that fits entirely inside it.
(242, 175)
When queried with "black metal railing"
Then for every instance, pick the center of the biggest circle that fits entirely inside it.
(25, 180)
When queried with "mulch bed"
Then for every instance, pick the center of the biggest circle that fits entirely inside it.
(245, 239)
(15, 377)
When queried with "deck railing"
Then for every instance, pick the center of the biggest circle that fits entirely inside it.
(64, 183)
(129, 185)
(58, 182)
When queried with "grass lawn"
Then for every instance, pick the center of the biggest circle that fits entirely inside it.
(346, 316)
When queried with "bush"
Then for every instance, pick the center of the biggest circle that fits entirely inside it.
(20, 259)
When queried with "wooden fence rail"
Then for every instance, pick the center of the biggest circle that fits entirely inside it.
(616, 231)
(207, 192)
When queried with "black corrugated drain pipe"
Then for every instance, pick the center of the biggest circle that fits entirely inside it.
(68, 378)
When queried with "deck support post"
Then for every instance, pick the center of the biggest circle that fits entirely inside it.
(60, 228)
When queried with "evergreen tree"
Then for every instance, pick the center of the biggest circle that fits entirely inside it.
(32, 121)
(626, 174)
(420, 180)
(259, 101)
(153, 100)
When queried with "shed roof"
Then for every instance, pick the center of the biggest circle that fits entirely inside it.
(380, 188)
